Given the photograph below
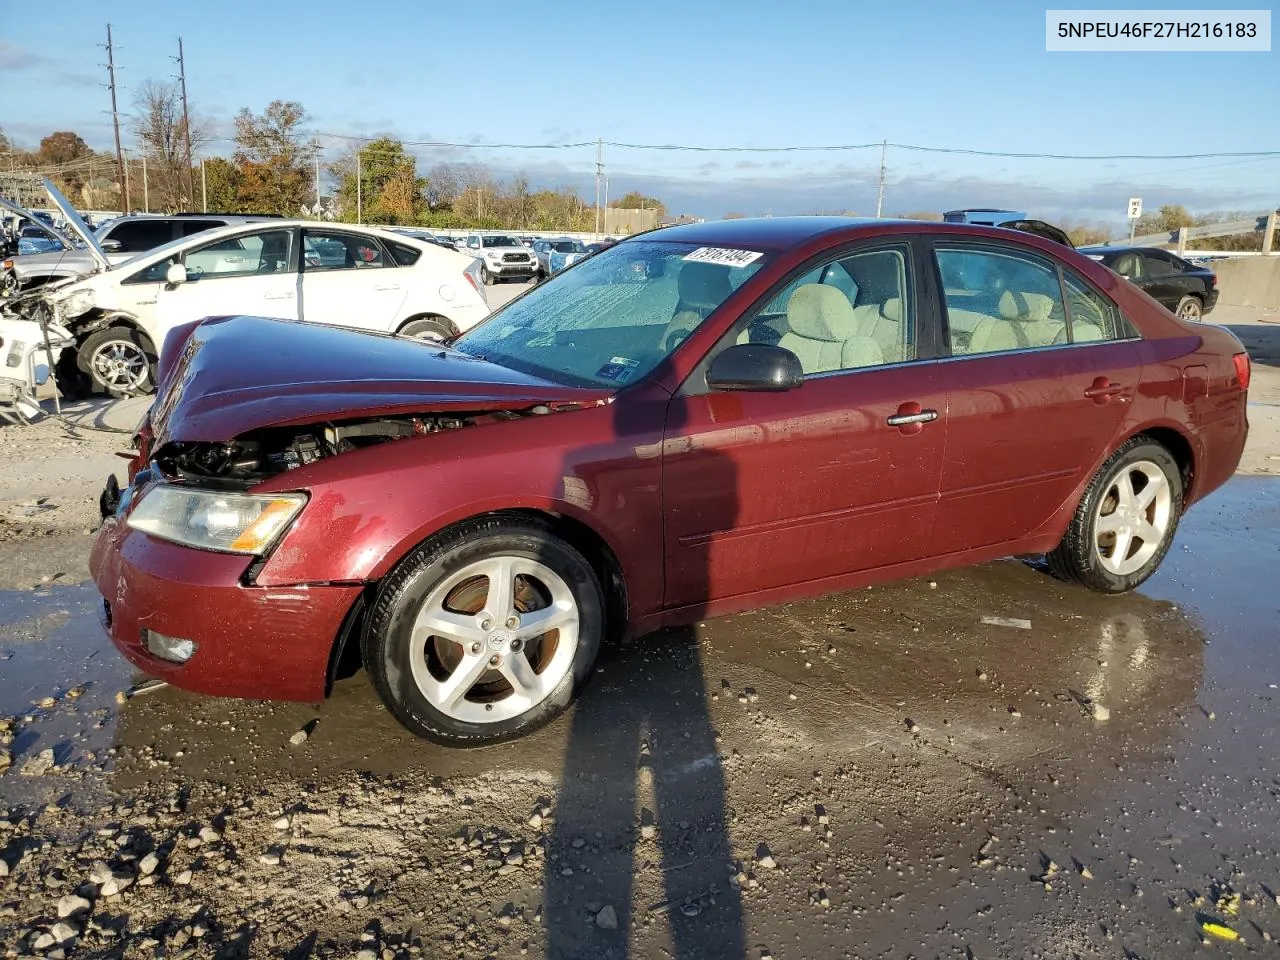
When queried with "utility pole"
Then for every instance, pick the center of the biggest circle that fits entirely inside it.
(359, 187)
(121, 170)
(317, 188)
(599, 175)
(204, 188)
(186, 123)
(884, 147)
(146, 188)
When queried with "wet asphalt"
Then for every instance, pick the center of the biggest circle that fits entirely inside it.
(925, 783)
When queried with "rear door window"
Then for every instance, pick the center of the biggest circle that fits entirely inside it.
(1000, 299)
(137, 236)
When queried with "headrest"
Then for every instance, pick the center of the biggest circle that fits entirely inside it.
(892, 309)
(1025, 306)
(820, 312)
(704, 285)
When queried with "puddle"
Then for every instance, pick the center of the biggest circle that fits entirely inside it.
(52, 646)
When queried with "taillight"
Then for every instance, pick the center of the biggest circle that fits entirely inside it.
(1213, 279)
(1241, 360)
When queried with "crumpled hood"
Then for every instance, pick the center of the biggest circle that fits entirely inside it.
(233, 375)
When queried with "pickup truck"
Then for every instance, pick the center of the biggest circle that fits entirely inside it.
(501, 255)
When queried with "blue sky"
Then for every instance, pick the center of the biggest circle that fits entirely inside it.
(948, 74)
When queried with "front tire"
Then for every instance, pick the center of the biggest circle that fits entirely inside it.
(1125, 522)
(486, 277)
(485, 632)
(120, 361)
(1190, 308)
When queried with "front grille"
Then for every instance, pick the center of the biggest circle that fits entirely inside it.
(515, 258)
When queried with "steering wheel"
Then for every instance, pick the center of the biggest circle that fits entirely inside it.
(675, 338)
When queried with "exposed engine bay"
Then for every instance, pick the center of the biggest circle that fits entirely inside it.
(266, 453)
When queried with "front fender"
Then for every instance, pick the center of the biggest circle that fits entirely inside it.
(369, 508)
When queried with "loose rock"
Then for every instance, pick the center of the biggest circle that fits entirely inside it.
(607, 918)
(71, 904)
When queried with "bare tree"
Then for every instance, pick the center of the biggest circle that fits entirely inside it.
(159, 128)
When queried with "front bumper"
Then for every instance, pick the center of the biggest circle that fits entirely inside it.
(499, 269)
(252, 642)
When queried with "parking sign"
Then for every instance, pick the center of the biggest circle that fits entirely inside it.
(1135, 208)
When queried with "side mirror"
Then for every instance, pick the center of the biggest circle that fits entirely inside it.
(175, 275)
(755, 366)
(112, 246)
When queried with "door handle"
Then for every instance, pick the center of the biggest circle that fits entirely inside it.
(1103, 390)
(388, 286)
(278, 296)
(906, 419)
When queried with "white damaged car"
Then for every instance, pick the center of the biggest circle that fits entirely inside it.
(361, 277)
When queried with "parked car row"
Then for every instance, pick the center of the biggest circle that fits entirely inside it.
(120, 312)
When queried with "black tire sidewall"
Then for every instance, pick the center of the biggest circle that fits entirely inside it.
(395, 610)
(426, 323)
(1086, 559)
(87, 347)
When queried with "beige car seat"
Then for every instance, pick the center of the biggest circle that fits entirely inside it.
(701, 287)
(822, 331)
(1024, 322)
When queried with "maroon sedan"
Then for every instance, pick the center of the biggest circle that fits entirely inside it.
(695, 421)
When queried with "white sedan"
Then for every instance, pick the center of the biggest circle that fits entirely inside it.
(360, 277)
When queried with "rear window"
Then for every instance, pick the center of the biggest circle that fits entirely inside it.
(141, 235)
(404, 256)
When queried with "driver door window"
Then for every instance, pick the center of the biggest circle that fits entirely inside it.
(847, 314)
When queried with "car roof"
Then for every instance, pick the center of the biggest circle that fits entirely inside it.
(1118, 248)
(783, 233)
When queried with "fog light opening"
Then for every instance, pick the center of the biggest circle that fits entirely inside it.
(173, 649)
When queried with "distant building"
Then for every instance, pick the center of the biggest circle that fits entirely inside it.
(677, 221)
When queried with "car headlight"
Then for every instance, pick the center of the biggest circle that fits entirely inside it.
(77, 302)
(213, 520)
(492, 254)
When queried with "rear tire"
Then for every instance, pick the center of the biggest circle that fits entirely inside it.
(428, 328)
(1125, 522)
(1190, 308)
(481, 677)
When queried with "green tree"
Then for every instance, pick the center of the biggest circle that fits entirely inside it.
(635, 200)
(390, 190)
(222, 185)
(275, 159)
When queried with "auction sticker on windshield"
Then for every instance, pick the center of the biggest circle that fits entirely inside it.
(618, 369)
(723, 256)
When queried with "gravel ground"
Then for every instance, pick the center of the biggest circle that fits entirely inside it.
(875, 774)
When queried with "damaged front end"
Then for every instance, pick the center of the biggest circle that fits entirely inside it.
(258, 456)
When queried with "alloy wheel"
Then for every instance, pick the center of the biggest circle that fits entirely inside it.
(119, 365)
(1133, 518)
(1190, 310)
(494, 639)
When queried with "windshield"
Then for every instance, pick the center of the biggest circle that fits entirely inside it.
(501, 242)
(614, 317)
(568, 246)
